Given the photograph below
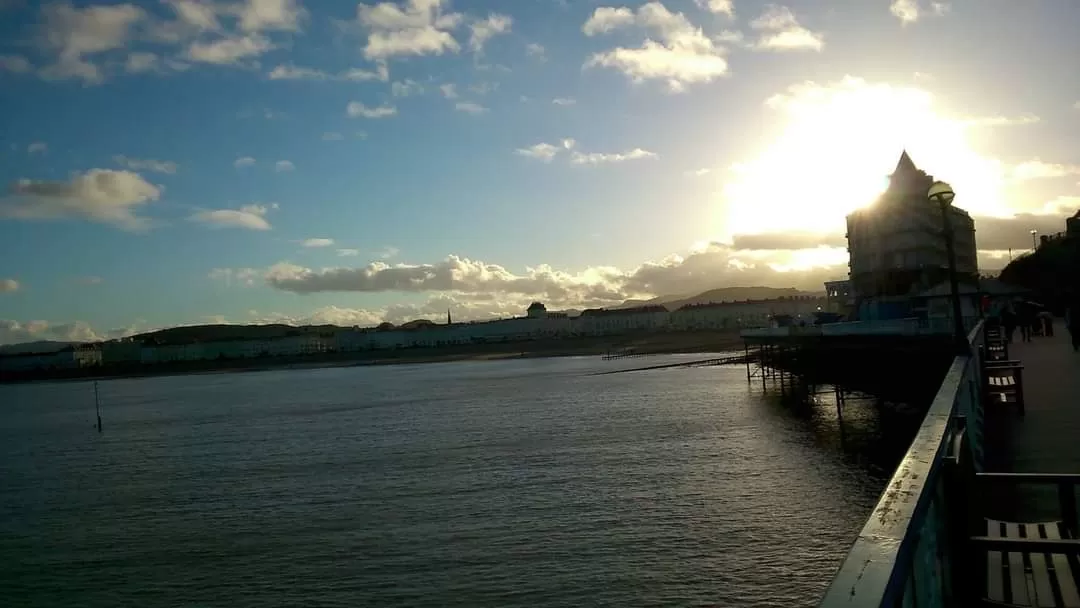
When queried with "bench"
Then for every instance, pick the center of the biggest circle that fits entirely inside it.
(1004, 382)
(1025, 563)
(1026, 571)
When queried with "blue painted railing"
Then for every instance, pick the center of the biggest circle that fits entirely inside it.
(903, 556)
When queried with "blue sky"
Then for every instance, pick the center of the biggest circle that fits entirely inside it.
(175, 162)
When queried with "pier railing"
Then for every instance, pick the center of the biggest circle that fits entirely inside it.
(904, 554)
(887, 327)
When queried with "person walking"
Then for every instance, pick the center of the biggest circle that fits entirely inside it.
(1072, 322)
(1026, 319)
(1008, 319)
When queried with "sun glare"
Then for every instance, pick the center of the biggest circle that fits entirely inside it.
(839, 144)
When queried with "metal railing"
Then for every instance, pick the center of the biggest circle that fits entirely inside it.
(887, 327)
(903, 556)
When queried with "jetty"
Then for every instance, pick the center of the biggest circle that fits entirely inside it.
(982, 509)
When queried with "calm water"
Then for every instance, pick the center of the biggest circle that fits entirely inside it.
(514, 483)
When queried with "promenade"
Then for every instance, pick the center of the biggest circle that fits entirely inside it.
(1047, 438)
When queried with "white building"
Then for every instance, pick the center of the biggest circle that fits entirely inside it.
(896, 245)
(745, 314)
(603, 322)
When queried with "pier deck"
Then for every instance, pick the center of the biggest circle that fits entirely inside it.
(1045, 439)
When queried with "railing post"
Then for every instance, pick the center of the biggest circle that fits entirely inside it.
(1067, 498)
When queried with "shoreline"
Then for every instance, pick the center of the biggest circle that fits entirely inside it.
(656, 344)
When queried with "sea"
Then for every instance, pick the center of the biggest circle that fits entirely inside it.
(514, 483)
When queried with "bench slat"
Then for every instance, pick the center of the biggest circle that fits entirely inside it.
(1070, 596)
(994, 573)
(1040, 570)
(1017, 577)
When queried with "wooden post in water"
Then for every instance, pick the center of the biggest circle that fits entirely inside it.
(97, 406)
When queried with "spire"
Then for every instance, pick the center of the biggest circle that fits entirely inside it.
(905, 165)
(449, 321)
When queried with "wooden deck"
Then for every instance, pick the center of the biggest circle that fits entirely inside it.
(1047, 438)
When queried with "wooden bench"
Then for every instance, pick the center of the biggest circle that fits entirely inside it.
(1031, 573)
(1004, 382)
(1028, 564)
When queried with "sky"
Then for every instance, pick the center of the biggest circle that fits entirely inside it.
(176, 162)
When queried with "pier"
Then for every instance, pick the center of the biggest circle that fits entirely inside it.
(982, 509)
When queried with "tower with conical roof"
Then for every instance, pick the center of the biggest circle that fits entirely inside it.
(896, 248)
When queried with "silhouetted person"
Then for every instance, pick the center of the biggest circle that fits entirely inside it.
(1008, 320)
(1047, 321)
(1026, 319)
(1072, 321)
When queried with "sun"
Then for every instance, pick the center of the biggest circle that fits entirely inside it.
(838, 144)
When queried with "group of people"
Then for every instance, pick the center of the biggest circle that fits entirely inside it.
(1033, 320)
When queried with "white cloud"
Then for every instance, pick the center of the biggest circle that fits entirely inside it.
(236, 276)
(542, 151)
(1003, 121)
(140, 62)
(536, 51)
(464, 280)
(37, 147)
(717, 7)
(1062, 205)
(9, 285)
(606, 19)
(101, 195)
(282, 166)
(597, 158)
(910, 11)
(229, 50)
(486, 29)
(146, 164)
(290, 71)
(348, 253)
(244, 161)
(389, 252)
(406, 88)
(318, 243)
(332, 136)
(907, 11)
(16, 64)
(355, 109)
(681, 55)
(74, 36)
(781, 31)
(448, 90)
(266, 15)
(89, 280)
(250, 217)
(16, 332)
(415, 27)
(469, 107)
(564, 101)
(699, 172)
(1037, 169)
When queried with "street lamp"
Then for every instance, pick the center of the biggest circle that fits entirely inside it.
(1033, 245)
(942, 194)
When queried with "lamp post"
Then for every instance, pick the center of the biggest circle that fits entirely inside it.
(942, 194)
(1033, 245)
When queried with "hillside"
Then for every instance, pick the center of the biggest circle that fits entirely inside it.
(1052, 272)
(723, 294)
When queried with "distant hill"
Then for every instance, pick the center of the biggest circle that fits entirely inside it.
(41, 346)
(215, 333)
(723, 294)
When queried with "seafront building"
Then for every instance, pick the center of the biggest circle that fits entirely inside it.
(896, 247)
(537, 324)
